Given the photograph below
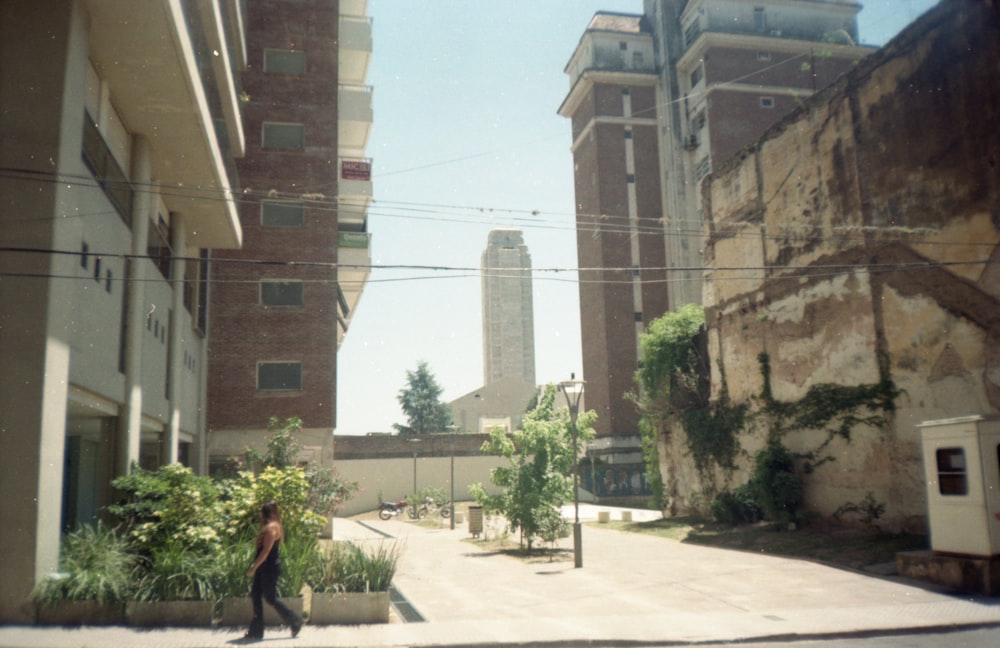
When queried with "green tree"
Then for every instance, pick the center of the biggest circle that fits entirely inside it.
(327, 490)
(538, 479)
(419, 400)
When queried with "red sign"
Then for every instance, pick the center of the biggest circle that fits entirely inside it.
(355, 170)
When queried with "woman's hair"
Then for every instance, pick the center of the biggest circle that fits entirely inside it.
(270, 512)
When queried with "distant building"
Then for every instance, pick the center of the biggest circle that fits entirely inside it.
(120, 124)
(508, 309)
(277, 326)
(655, 101)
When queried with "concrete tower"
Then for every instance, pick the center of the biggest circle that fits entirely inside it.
(508, 311)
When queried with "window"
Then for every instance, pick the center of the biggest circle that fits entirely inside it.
(697, 75)
(630, 178)
(279, 376)
(284, 61)
(622, 45)
(759, 21)
(158, 245)
(699, 120)
(108, 173)
(283, 136)
(767, 102)
(628, 133)
(84, 251)
(281, 293)
(638, 317)
(282, 214)
(952, 478)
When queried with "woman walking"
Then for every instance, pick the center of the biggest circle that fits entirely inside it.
(265, 571)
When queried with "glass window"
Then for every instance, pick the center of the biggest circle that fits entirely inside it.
(281, 293)
(279, 376)
(282, 214)
(952, 478)
(284, 61)
(284, 136)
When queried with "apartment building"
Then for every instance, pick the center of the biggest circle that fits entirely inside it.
(283, 302)
(655, 100)
(120, 123)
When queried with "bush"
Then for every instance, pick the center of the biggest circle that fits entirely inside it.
(350, 568)
(95, 565)
(775, 485)
(736, 507)
(176, 572)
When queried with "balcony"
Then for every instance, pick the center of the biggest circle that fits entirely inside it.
(354, 267)
(352, 215)
(153, 75)
(354, 118)
(355, 48)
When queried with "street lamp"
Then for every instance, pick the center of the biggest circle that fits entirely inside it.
(453, 429)
(573, 390)
(415, 441)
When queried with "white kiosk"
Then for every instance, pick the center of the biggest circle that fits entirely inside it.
(962, 468)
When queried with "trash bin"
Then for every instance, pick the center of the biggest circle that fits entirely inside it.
(475, 520)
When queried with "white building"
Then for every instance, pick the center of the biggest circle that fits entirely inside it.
(120, 122)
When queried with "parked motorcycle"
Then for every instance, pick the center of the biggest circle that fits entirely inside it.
(387, 509)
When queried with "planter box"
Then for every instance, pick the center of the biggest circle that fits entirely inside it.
(152, 614)
(239, 611)
(349, 608)
(81, 613)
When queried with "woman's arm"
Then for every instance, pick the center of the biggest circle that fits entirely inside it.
(267, 537)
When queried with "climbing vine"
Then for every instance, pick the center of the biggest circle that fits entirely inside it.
(834, 409)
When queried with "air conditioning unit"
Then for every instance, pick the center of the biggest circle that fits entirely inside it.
(691, 142)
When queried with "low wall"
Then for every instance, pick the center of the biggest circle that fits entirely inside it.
(392, 478)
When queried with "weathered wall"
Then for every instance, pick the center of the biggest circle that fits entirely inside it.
(853, 243)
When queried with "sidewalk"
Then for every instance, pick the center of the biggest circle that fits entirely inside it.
(632, 590)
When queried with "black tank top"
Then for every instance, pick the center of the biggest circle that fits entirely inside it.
(273, 560)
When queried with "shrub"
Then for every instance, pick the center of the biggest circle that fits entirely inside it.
(348, 567)
(175, 572)
(775, 485)
(95, 565)
(736, 507)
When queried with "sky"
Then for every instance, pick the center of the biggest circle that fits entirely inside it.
(466, 138)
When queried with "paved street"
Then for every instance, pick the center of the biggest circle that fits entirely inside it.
(632, 590)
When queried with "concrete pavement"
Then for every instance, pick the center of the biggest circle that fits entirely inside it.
(633, 590)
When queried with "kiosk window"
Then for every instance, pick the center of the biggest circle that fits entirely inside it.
(951, 471)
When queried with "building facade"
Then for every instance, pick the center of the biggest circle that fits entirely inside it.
(283, 302)
(508, 309)
(116, 150)
(655, 100)
(870, 217)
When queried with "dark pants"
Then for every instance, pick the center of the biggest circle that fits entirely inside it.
(265, 588)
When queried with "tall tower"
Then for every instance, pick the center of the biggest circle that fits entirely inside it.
(508, 310)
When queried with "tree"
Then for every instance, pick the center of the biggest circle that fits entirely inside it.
(419, 401)
(539, 479)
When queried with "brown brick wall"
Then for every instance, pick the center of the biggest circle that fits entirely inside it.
(243, 332)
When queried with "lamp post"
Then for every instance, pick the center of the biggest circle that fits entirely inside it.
(573, 390)
(453, 429)
(414, 441)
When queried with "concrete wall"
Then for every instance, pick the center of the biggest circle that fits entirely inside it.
(860, 232)
(392, 478)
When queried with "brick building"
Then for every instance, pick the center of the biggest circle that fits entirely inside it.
(282, 304)
(655, 101)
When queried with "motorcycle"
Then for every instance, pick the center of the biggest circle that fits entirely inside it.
(387, 509)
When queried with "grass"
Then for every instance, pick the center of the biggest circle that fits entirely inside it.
(856, 548)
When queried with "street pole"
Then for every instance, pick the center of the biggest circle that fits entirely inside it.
(453, 430)
(573, 390)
